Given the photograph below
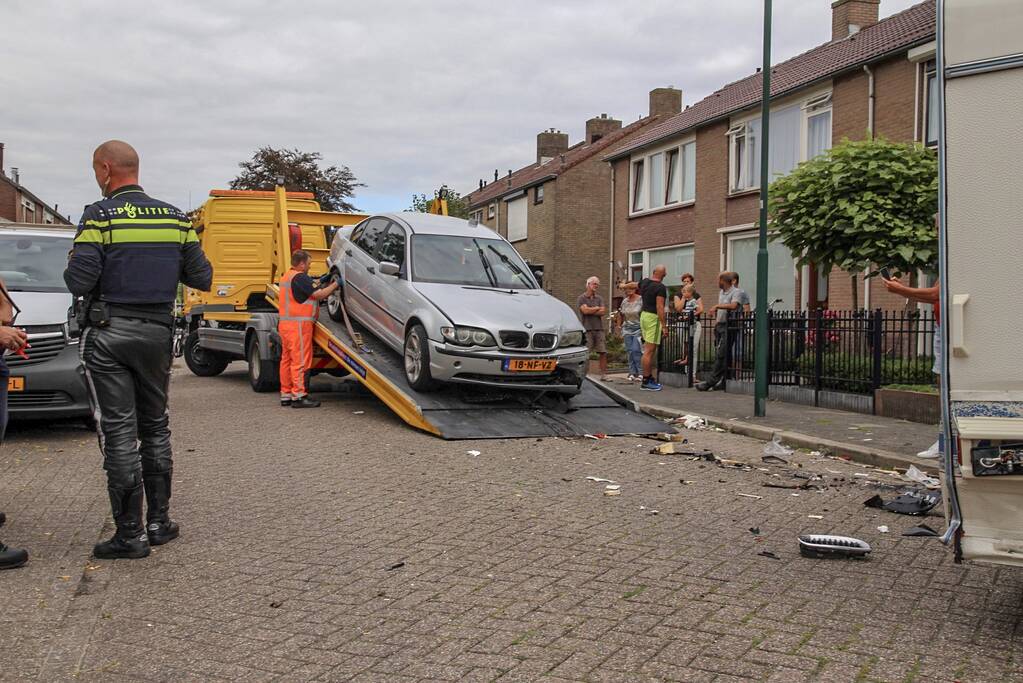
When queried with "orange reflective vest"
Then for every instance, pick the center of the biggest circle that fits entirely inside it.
(290, 309)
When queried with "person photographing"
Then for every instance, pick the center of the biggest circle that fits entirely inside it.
(299, 310)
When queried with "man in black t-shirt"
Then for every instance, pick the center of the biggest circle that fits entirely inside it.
(652, 323)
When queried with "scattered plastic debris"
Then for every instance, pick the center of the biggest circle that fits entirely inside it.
(670, 436)
(768, 553)
(473, 453)
(933, 452)
(828, 545)
(691, 422)
(358, 412)
(775, 450)
(596, 437)
(600, 480)
(914, 474)
(276, 604)
(686, 482)
(816, 516)
(613, 490)
(883, 528)
(921, 530)
(860, 474)
(396, 565)
(755, 530)
(773, 460)
(908, 502)
(750, 495)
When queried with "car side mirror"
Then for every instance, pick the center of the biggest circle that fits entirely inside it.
(388, 268)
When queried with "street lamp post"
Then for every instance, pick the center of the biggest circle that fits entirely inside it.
(760, 356)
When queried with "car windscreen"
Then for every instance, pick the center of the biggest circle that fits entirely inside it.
(468, 261)
(33, 263)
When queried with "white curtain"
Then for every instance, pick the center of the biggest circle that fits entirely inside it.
(784, 153)
(656, 184)
(818, 134)
(689, 172)
(677, 260)
(517, 226)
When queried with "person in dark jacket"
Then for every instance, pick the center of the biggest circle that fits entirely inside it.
(130, 252)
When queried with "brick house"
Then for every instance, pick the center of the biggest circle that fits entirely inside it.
(557, 210)
(687, 189)
(18, 205)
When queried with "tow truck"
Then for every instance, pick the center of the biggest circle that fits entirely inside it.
(980, 84)
(249, 237)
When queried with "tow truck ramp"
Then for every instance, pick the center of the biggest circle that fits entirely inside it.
(463, 412)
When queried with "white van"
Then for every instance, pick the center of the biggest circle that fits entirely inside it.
(980, 54)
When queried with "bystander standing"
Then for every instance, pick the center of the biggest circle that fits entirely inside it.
(628, 323)
(592, 311)
(728, 304)
(653, 323)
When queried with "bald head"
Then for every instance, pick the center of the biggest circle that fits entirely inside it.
(116, 164)
(659, 272)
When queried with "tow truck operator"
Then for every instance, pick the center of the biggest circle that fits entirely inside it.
(299, 308)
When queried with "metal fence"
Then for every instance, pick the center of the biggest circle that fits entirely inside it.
(849, 351)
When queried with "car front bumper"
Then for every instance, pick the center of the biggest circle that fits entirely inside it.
(449, 363)
(54, 389)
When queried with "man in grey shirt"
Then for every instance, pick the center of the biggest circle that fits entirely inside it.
(591, 312)
(729, 302)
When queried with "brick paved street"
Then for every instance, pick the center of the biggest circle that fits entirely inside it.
(515, 566)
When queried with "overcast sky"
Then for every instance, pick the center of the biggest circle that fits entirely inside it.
(409, 95)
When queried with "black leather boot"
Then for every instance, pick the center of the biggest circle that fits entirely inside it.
(159, 526)
(130, 540)
(304, 402)
(11, 558)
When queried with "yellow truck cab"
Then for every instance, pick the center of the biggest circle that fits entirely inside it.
(234, 320)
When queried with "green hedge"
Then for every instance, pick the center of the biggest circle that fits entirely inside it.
(853, 372)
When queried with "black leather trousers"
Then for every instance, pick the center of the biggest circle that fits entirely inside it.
(127, 366)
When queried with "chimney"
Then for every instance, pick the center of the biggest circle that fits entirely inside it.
(549, 144)
(599, 126)
(665, 101)
(15, 175)
(851, 16)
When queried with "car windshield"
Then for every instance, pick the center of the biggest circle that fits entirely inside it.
(468, 261)
(33, 263)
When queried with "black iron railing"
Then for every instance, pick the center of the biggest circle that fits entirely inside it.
(850, 351)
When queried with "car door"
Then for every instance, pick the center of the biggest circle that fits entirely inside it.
(359, 272)
(394, 290)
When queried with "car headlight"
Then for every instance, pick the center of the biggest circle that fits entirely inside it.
(577, 338)
(468, 336)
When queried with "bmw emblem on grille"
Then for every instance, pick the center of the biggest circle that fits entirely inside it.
(529, 326)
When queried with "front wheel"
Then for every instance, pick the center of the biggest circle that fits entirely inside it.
(200, 361)
(335, 300)
(263, 372)
(417, 360)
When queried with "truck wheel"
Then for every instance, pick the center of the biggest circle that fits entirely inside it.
(263, 372)
(417, 360)
(335, 300)
(200, 361)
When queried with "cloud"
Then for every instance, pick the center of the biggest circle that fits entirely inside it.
(409, 95)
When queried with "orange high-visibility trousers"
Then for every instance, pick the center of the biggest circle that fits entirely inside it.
(296, 356)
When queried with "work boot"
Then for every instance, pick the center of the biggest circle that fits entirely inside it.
(130, 540)
(159, 526)
(285, 401)
(304, 402)
(11, 558)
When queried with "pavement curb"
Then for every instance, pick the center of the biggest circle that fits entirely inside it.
(860, 454)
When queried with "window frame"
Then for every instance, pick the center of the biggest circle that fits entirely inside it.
(811, 104)
(641, 187)
(538, 193)
(491, 210)
(645, 262)
(507, 228)
(743, 232)
(930, 72)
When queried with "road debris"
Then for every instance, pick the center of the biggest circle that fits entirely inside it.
(670, 436)
(358, 412)
(816, 516)
(596, 437)
(601, 480)
(768, 553)
(473, 453)
(613, 490)
(686, 482)
(921, 530)
(750, 495)
(908, 502)
(883, 528)
(691, 422)
(755, 530)
(396, 565)
(776, 452)
(914, 474)
(828, 546)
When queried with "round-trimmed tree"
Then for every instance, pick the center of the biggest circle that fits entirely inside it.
(860, 205)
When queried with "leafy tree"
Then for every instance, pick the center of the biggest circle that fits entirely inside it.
(458, 206)
(861, 204)
(332, 186)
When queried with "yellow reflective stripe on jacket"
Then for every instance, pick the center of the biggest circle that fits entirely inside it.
(139, 221)
(150, 235)
(91, 236)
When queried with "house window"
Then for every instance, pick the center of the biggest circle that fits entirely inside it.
(638, 190)
(48, 218)
(28, 204)
(664, 177)
(492, 210)
(741, 252)
(743, 157)
(931, 111)
(677, 259)
(518, 228)
(538, 195)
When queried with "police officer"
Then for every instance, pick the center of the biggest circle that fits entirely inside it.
(130, 252)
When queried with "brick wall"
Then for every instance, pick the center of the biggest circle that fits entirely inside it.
(8, 201)
(582, 242)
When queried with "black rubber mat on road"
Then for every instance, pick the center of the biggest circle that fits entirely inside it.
(466, 413)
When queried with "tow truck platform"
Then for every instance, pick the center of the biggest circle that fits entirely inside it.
(454, 412)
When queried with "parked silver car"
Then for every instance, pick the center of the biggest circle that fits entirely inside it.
(458, 303)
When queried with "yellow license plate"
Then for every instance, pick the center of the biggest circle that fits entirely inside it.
(15, 384)
(530, 365)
